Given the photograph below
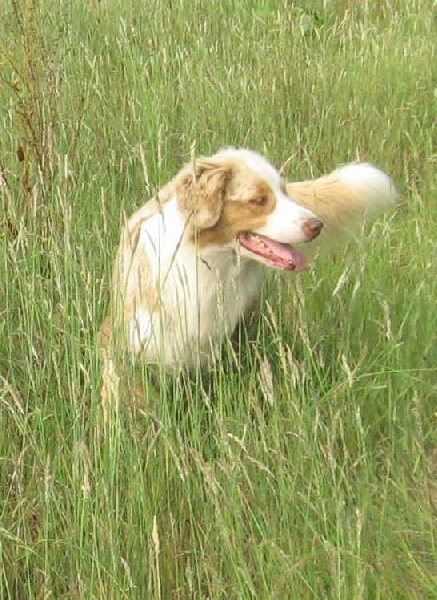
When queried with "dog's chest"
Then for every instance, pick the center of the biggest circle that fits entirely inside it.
(206, 299)
(201, 298)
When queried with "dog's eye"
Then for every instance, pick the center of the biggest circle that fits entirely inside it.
(260, 200)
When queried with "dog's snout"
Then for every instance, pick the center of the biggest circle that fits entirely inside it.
(312, 227)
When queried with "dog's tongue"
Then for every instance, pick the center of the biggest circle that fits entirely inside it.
(280, 255)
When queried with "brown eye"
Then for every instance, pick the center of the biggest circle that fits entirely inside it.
(260, 200)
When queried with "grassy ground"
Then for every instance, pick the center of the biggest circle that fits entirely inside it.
(309, 468)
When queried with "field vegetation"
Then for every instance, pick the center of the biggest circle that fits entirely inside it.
(306, 466)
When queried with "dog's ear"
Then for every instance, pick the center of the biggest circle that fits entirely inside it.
(200, 189)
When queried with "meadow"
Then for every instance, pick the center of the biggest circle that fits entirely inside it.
(307, 466)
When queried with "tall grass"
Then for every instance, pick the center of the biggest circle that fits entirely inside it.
(306, 467)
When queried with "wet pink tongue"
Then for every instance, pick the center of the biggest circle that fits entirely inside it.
(282, 255)
(298, 258)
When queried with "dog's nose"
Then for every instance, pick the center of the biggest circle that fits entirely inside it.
(312, 227)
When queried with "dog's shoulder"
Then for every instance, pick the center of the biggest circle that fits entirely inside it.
(148, 210)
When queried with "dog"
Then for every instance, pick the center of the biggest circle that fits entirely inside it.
(190, 262)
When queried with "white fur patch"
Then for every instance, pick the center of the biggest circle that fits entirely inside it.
(372, 186)
(285, 223)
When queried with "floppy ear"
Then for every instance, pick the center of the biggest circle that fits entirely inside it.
(200, 189)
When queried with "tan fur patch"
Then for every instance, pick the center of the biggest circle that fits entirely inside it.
(131, 288)
(105, 332)
(249, 200)
(201, 189)
(138, 291)
(330, 199)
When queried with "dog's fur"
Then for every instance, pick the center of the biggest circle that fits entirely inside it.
(187, 271)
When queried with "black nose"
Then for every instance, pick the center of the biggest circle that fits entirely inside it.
(312, 227)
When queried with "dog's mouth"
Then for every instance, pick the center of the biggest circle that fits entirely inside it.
(275, 254)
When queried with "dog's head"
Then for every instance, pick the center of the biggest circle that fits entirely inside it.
(237, 200)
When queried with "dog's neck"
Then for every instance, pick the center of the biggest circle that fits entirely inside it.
(166, 239)
(203, 293)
